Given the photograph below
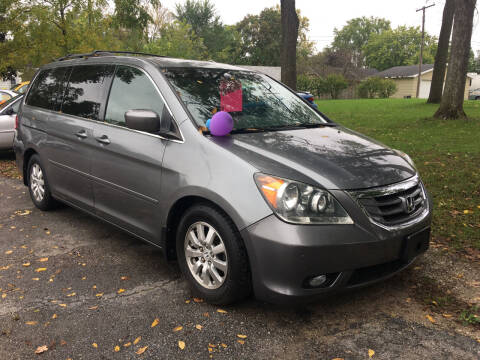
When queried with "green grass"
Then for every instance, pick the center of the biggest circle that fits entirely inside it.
(446, 153)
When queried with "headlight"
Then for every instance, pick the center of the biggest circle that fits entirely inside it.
(300, 203)
(406, 157)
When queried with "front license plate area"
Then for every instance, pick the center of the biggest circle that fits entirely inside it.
(416, 244)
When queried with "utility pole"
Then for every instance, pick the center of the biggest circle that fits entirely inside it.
(421, 47)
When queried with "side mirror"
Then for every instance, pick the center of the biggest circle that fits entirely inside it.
(143, 120)
(10, 111)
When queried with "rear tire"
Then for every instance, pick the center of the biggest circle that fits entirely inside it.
(38, 185)
(212, 256)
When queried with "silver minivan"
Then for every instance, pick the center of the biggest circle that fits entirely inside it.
(281, 201)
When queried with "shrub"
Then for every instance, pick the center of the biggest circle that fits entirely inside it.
(376, 87)
(334, 84)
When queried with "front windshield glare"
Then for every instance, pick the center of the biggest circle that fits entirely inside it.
(255, 101)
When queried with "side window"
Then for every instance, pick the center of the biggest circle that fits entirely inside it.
(44, 90)
(16, 106)
(84, 93)
(131, 90)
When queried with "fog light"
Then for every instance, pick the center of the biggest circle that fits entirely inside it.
(317, 281)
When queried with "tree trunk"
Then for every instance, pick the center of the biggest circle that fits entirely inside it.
(441, 57)
(451, 106)
(288, 59)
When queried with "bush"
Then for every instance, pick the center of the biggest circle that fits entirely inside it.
(388, 88)
(334, 84)
(376, 87)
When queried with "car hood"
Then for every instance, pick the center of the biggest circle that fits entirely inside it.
(333, 157)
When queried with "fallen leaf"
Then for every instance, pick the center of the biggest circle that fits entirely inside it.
(31, 322)
(155, 322)
(26, 264)
(242, 336)
(8, 252)
(43, 259)
(120, 291)
(93, 307)
(181, 344)
(62, 305)
(221, 311)
(447, 315)
(338, 359)
(35, 279)
(72, 294)
(212, 345)
(127, 344)
(241, 342)
(206, 314)
(117, 348)
(99, 295)
(371, 353)
(124, 278)
(95, 345)
(41, 349)
(187, 301)
(197, 300)
(40, 269)
(47, 232)
(137, 340)
(178, 328)
(224, 345)
(54, 316)
(431, 319)
(199, 327)
(84, 278)
(141, 350)
(5, 267)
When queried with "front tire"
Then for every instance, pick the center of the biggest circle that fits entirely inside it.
(212, 256)
(38, 185)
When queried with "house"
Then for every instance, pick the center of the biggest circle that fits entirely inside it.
(406, 79)
(272, 71)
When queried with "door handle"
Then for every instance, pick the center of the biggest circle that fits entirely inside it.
(103, 139)
(81, 134)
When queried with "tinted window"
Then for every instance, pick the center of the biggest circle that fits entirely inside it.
(85, 90)
(46, 89)
(131, 89)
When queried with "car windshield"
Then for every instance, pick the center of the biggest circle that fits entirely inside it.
(254, 100)
(9, 101)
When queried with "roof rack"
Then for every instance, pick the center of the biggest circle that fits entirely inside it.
(103, 53)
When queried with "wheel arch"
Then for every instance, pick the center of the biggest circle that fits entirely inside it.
(26, 159)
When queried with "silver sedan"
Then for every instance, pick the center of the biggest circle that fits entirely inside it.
(8, 112)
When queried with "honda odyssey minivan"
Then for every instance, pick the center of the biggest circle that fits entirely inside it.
(288, 205)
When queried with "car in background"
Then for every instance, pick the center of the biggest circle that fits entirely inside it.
(8, 113)
(21, 88)
(309, 97)
(474, 94)
(6, 95)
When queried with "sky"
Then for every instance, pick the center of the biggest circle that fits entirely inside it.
(326, 15)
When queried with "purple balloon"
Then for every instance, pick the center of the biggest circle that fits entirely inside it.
(221, 123)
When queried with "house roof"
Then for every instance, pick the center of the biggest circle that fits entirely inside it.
(404, 71)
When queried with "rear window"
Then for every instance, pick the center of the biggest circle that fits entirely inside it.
(46, 90)
(86, 90)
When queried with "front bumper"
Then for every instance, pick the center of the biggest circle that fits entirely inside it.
(284, 256)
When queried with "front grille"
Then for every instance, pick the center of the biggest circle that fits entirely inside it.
(394, 205)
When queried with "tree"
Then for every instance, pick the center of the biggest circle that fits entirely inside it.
(290, 24)
(177, 40)
(451, 106)
(376, 87)
(398, 47)
(440, 64)
(353, 37)
(218, 39)
(259, 42)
